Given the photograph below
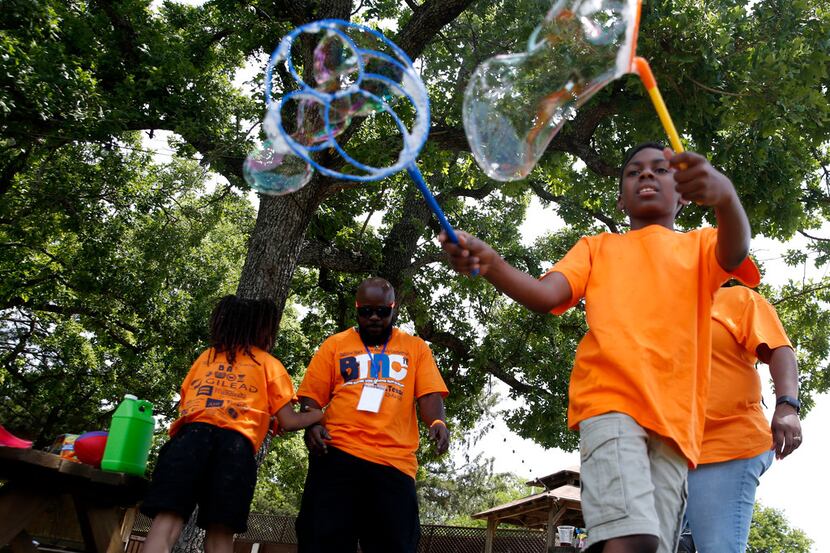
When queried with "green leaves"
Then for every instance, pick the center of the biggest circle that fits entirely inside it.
(110, 267)
(771, 532)
(801, 307)
(449, 494)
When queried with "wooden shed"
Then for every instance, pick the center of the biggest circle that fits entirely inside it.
(559, 504)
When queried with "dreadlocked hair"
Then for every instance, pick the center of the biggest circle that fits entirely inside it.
(240, 324)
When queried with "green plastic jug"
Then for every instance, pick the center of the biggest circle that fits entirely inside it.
(130, 436)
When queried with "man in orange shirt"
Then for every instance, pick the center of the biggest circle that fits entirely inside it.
(639, 383)
(738, 442)
(360, 486)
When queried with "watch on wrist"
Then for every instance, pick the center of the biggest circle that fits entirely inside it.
(791, 401)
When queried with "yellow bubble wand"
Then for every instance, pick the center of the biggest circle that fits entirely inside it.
(640, 66)
(647, 77)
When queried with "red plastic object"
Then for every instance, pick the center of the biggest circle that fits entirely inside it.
(89, 447)
(7, 439)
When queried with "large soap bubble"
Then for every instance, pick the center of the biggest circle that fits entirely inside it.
(273, 169)
(516, 103)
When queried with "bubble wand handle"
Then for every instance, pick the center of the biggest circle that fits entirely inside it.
(415, 173)
(644, 71)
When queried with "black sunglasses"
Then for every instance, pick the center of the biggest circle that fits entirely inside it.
(382, 311)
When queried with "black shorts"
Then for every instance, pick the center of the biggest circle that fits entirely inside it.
(209, 466)
(349, 500)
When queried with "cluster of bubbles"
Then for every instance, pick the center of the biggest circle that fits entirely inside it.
(349, 72)
(516, 103)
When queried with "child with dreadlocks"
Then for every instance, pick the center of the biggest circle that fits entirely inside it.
(227, 400)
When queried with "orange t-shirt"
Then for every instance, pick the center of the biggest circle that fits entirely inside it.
(648, 300)
(242, 397)
(736, 427)
(335, 379)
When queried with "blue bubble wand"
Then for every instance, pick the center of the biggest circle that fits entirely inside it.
(358, 72)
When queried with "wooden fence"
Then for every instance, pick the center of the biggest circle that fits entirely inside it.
(275, 534)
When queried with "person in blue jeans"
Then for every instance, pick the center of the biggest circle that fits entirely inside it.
(738, 442)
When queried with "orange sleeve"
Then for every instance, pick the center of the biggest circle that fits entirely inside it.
(746, 272)
(318, 382)
(576, 268)
(187, 379)
(280, 387)
(428, 379)
(709, 244)
(760, 325)
(177, 424)
(182, 390)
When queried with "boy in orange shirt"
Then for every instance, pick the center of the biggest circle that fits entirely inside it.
(227, 400)
(638, 388)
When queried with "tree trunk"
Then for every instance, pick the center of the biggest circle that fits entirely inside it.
(402, 242)
(279, 232)
(275, 244)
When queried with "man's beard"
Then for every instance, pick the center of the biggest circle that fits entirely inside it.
(371, 339)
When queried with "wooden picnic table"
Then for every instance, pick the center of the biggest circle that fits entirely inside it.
(105, 502)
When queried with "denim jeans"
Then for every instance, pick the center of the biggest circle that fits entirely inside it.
(721, 499)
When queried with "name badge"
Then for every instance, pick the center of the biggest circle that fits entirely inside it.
(371, 397)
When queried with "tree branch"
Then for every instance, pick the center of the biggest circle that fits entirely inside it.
(802, 293)
(123, 29)
(421, 262)
(95, 316)
(401, 243)
(540, 191)
(10, 168)
(451, 139)
(577, 143)
(326, 256)
(714, 90)
(475, 193)
(426, 21)
(461, 349)
(811, 237)
(8, 359)
(573, 145)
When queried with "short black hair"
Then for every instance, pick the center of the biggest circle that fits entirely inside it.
(633, 152)
(237, 323)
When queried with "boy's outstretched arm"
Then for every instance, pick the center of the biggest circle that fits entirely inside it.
(472, 254)
(291, 420)
(699, 182)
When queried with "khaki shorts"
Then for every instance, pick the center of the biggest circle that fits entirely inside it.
(633, 482)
